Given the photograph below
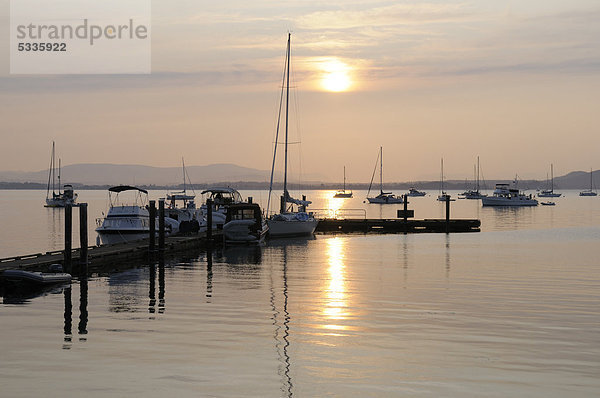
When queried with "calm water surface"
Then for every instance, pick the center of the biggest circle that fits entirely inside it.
(509, 312)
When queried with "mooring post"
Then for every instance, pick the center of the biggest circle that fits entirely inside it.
(447, 213)
(405, 213)
(83, 240)
(209, 221)
(151, 245)
(68, 238)
(249, 199)
(282, 204)
(161, 224)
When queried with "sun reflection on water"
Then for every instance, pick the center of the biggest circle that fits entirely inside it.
(335, 294)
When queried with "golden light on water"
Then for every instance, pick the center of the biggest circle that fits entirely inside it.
(336, 75)
(335, 294)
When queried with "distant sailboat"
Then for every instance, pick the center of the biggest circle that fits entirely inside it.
(549, 193)
(343, 193)
(474, 194)
(383, 197)
(443, 196)
(589, 192)
(58, 199)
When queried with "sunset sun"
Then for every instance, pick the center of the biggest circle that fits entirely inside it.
(335, 76)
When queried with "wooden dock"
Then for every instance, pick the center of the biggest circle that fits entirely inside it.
(100, 257)
(332, 225)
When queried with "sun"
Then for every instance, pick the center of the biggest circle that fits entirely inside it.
(335, 76)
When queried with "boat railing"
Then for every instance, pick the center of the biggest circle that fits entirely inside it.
(339, 213)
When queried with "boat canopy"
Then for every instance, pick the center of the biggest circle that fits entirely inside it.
(121, 188)
(218, 190)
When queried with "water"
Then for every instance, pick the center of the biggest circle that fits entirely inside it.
(510, 311)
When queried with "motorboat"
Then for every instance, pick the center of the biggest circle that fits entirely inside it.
(289, 221)
(589, 192)
(58, 198)
(504, 195)
(221, 198)
(244, 224)
(549, 193)
(548, 203)
(414, 192)
(342, 193)
(383, 197)
(128, 219)
(19, 277)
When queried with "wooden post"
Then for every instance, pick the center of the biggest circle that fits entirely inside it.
(83, 240)
(405, 213)
(161, 224)
(209, 221)
(282, 203)
(249, 199)
(447, 213)
(151, 243)
(68, 238)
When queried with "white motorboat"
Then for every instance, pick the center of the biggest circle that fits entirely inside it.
(548, 203)
(549, 193)
(589, 192)
(342, 193)
(56, 198)
(288, 222)
(414, 192)
(506, 196)
(244, 224)
(383, 197)
(127, 219)
(221, 198)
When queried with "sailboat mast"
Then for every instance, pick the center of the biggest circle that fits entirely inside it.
(551, 177)
(477, 187)
(59, 176)
(183, 170)
(344, 178)
(287, 106)
(53, 168)
(50, 170)
(381, 169)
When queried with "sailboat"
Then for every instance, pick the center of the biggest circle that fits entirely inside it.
(182, 207)
(343, 193)
(383, 197)
(589, 192)
(475, 194)
(549, 193)
(443, 196)
(288, 222)
(58, 198)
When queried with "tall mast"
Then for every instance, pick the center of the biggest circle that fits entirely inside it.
(53, 168)
(477, 174)
(551, 177)
(183, 169)
(50, 170)
(59, 175)
(287, 105)
(381, 169)
(344, 178)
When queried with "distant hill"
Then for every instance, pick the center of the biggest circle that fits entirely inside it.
(102, 175)
(114, 174)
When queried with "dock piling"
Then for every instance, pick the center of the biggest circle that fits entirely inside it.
(83, 239)
(405, 197)
(68, 239)
(161, 224)
(209, 222)
(151, 243)
(447, 213)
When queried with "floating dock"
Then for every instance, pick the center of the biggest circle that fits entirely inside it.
(331, 225)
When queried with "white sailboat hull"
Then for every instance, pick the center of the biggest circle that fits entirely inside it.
(283, 228)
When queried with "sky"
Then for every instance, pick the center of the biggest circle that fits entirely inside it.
(516, 83)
